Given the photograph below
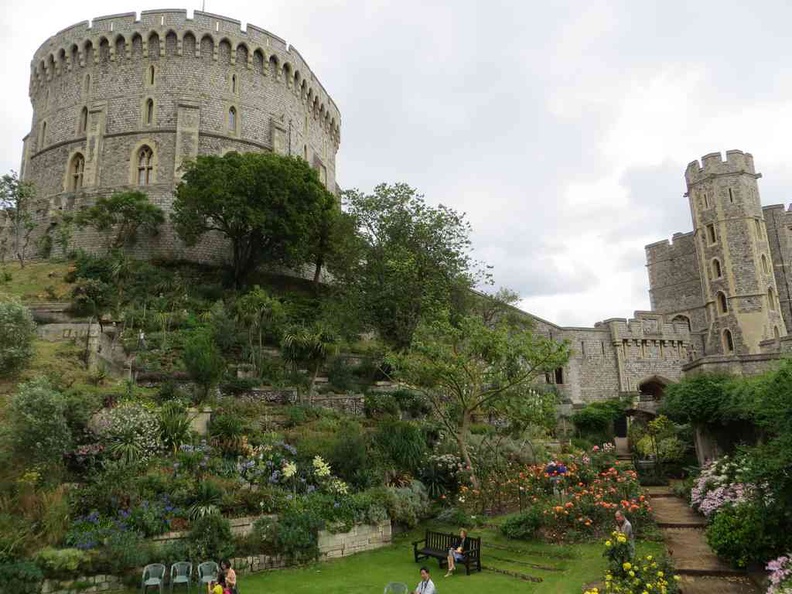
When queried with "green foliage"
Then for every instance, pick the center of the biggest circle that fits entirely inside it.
(210, 537)
(130, 432)
(412, 403)
(414, 258)
(17, 331)
(124, 213)
(203, 360)
(699, 399)
(349, 454)
(17, 200)
(468, 368)
(308, 347)
(402, 444)
(22, 577)
(270, 207)
(227, 431)
(523, 526)
(39, 430)
(174, 425)
(298, 534)
(406, 505)
(62, 562)
(380, 406)
(91, 296)
(206, 501)
(122, 551)
(595, 421)
(744, 534)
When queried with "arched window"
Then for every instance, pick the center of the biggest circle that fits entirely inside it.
(771, 301)
(149, 117)
(43, 135)
(723, 306)
(152, 71)
(76, 169)
(82, 127)
(776, 333)
(765, 266)
(728, 341)
(233, 83)
(716, 269)
(145, 158)
(232, 119)
(684, 319)
(87, 89)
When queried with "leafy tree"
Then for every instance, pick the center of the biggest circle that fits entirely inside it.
(17, 331)
(259, 313)
(121, 216)
(203, 360)
(700, 399)
(470, 368)
(268, 206)
(308, 347)
(16, 198)
(414, 258)
(39, 430)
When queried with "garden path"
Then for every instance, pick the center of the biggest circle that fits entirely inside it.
(700, 570)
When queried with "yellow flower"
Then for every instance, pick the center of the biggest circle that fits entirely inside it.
(676, 577)
(626, 565)
(648, 557)
(632, 574)
(660, 574)
(608, 543)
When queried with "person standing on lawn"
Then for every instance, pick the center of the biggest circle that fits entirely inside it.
(458, 552)
(623, 525)
(426, 585)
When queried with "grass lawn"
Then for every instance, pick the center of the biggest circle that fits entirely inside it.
(564, 570)
(38, 281)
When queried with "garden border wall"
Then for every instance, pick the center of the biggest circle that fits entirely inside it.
(361, 538)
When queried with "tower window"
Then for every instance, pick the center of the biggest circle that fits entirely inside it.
(149, 116)
(232, 119)
(706, 200)
(716, 269)
(731, 196)
(151, 75)
(559, 375)
(43, 135)
(233, 83)
(723, 305)
(765, 266)
(771, 302)
(82, 126)
(711, 237)
(728, 341)
(145, 166)
(776, 333)
(76, 169)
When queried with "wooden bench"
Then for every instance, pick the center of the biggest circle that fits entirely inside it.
(436, 544)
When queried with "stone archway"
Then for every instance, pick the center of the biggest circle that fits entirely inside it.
(652, 389)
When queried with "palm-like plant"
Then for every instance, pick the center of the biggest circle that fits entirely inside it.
(311, 348)
(174, 426)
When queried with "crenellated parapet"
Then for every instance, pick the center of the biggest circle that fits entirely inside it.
(170, 34)
(713, 164)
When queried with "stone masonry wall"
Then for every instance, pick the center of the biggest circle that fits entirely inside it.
(91, 85)
(778, 221)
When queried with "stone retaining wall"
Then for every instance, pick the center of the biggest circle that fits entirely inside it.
(331, 546)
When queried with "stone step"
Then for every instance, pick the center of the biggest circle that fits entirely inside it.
(692, 556)
(716, 585)
(672, 512)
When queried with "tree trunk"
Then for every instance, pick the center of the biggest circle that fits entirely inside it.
(311, 385)
(317, 272)
(461, 437)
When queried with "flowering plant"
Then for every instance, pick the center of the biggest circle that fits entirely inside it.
(721, 483)
(780, 575)
(627, 575)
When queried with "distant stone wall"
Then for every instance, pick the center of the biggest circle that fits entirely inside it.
(83, 585)
(360, 538)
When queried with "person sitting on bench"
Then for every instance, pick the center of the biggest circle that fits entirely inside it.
(457, 553)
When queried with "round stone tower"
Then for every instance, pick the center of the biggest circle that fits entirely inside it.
(738, 285)
(121, 102)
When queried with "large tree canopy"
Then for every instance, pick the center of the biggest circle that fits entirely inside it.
(469, 368)
(414, 258)
(270, 207)
(121, 216)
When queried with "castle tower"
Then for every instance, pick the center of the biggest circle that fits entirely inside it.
(738, 286)
(122, 102)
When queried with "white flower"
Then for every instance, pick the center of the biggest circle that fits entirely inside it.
(321, 467)
(289, 469)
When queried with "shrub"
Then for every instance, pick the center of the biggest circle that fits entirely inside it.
(743, 534)
(412, 403)
(203, 360)
(265, 533)
(298, 535)
(130, 432)
(406, 505)
(524, 525)
(595, 421)
(380, 406)
(227, 433)
(402, 443)
(123, 551)
(21, 577)
(210, 538)
(39, 430)
(349, 455)
(62, 562)
(174, 426)
(17, 331)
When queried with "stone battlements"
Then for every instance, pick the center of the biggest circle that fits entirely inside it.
(713, 164)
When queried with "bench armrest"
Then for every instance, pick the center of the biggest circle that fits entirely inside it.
(416, 542)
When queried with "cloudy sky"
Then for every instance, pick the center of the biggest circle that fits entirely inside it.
(561, 128)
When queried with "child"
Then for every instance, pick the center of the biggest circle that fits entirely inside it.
(214, 588)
